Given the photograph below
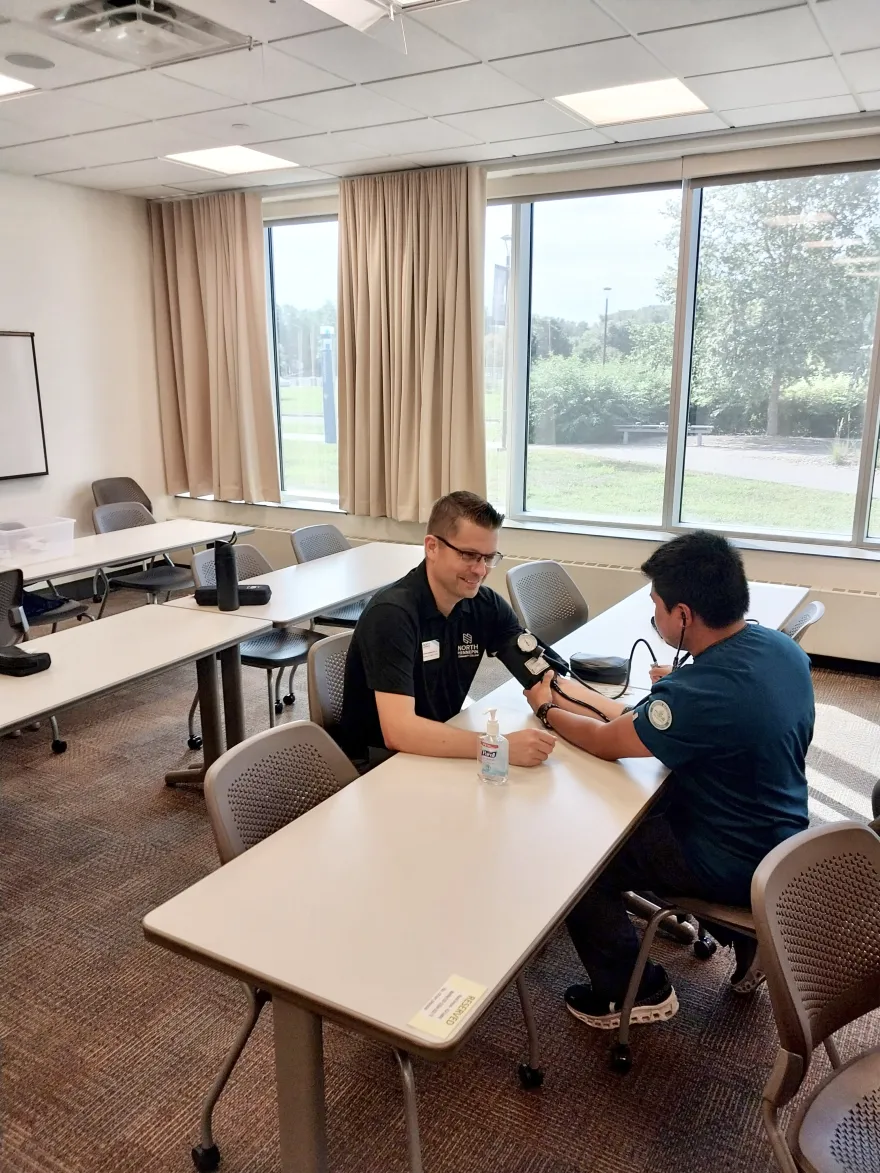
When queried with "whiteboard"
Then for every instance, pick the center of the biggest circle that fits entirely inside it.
(22, 439)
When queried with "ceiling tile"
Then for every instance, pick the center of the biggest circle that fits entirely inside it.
(239, 125)
(583, 67)
(520, 121)
(341, 109)
(72, 65)
(850, 25)
(871, 100)
(261, 20)
(150, 94)
(52, 113)
(764, 39)
(121, 175)
(296, 175)
(156, 191)
(317, 149)
(448, 91)
(351, 55)
(642, 17)
(549, 144)
(862, 69)
(631, 132)
(478, 153)
(253, 75)
(402, 138)
(371, 166)
(792, 82)
(38, 158)
(791, 111)
(502, 28)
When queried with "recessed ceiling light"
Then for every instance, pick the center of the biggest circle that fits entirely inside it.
(636, 103)
(30, 61)
(232, 160)
(359, 14)
(833, 242)
(11, 85)
(799, 218)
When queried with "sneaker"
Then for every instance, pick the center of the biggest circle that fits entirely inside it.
(595, 1010)
(748, 974)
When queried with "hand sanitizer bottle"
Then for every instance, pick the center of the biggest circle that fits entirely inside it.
(493, 753)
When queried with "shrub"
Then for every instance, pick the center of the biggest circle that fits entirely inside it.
(573, 401)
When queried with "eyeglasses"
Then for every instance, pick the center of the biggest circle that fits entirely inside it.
(473, 557)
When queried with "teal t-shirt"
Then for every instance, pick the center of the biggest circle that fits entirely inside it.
(734, 727)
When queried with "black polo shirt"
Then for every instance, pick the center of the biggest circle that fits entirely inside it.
(402, 644)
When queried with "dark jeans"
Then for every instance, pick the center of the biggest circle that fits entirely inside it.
(651, 860)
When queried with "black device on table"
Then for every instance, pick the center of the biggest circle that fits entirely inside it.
(256, 594)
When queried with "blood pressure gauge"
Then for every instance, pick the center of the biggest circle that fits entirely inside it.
(526, 642)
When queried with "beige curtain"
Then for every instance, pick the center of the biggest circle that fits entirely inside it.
(411, 421)
(215, 392)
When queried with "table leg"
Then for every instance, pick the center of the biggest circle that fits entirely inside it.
(212, 730)
(299, 1073)
(233, 700)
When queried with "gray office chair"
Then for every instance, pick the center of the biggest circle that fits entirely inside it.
(14, 628)
(797, 627)
(546, 600)
(117, 490)
(816, 899)
(317, 541)
(251, 792)
(274, 650)
(326, 677)
(158, 579)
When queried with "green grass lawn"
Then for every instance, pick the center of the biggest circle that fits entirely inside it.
(579, 485)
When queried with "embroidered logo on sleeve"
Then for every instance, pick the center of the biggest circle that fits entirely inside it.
(660, 715)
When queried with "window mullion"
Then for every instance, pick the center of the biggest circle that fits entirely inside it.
(868, 452)
(519, 316)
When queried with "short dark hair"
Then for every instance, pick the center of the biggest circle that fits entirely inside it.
(704, 572)
(448, 511)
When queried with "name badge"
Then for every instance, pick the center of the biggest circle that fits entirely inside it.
(431, 649)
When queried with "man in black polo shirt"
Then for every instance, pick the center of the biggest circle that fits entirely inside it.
(418, 645)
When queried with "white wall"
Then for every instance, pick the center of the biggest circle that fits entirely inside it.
(75, 270)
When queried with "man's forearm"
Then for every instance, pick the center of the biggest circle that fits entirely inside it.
(574, 688)
(433, 739)
(583, 731)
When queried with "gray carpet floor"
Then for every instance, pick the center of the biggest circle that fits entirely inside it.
(109, 1043)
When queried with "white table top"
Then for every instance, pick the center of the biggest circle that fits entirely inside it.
(92, 658)
(127, 545)
(615, 631)
(314, 588)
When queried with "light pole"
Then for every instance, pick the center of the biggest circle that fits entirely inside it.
(607, 290)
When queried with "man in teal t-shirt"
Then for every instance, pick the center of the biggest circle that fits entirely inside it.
(733, 726)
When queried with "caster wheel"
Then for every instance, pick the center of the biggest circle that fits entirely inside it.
(194, 742)
(96, 598)
(621, 1059)
(206, 1160)
(704, 947)
(289, 698)
(279, 708)
(530, 1077)
(59, 746)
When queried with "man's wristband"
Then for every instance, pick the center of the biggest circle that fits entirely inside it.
(542, 711)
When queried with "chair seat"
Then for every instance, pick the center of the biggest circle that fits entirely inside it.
(838, 1130)
(346, 616)
(71, 609)
(157, 578)
(277, 648)
(729, 915)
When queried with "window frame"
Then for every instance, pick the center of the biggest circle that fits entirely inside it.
(670, 523)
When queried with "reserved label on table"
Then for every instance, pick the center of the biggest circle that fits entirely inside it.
(443, 1011)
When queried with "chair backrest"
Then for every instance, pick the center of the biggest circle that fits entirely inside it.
(317, 541)
(11, 590)
(326, 675)
(815, 900)
(546, 600)
(249, 562)
(796, 628)
(117, 490)
(121, 515)
(264, 783)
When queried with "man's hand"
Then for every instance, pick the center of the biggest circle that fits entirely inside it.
(540, 693)
(658, 671)
(530, 747)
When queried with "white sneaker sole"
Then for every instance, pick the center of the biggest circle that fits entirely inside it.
(640, 1016)
(749, 982)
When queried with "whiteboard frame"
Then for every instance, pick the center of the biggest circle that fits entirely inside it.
(17, 476)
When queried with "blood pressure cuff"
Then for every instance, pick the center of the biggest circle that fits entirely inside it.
(599, 669)
(16, 661)
(527, 661)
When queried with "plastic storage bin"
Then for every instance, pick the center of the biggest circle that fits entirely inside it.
(35, 538)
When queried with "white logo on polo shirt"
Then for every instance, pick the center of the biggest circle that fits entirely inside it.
(467, 647)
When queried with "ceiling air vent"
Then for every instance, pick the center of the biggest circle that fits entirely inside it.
(143, 32)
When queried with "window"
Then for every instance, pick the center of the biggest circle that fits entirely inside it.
(694, 356)
(302, 279)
